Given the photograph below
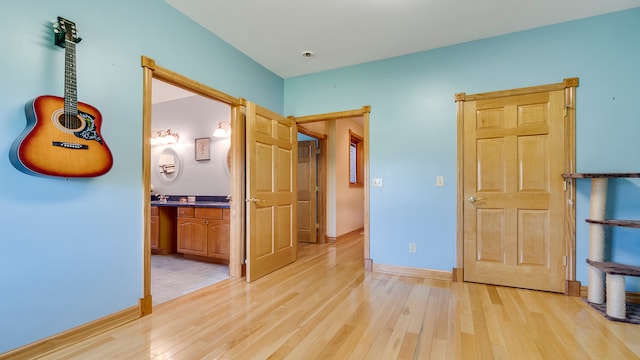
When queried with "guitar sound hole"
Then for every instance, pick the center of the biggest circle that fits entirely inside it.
(70, 122)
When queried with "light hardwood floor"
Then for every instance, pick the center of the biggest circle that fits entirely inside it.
(325, 306)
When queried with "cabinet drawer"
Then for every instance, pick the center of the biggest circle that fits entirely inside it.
(208, 213)
(226, 214)
(154, 211)
(185, 212)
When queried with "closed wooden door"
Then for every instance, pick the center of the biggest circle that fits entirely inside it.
(271, 169)
(307, 193)
(514, 155)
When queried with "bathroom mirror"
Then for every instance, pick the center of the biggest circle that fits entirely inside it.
(169, 165)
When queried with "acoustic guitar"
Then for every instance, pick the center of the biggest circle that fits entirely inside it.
(62, 137)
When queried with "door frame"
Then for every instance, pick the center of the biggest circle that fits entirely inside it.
(322, 181)
(153, 71)
(572, 287)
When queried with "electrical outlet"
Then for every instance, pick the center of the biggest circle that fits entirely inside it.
(377, 182)
(412, 248)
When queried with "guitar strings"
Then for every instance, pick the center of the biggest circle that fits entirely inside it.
(71, 107)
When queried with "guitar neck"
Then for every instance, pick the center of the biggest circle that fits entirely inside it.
(70, 85)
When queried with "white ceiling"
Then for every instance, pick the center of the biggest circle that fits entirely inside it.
(162, 92)
(274, 33)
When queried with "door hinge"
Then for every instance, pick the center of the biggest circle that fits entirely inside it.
(318, 151)
(317, 188)
(564, 260)
(317, 226)
(566, 109)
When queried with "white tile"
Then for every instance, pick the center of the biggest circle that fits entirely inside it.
(172, 276)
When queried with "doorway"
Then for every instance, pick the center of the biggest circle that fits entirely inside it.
(177, 174)
(317, 126)
(152, 71)
(514, 207)
(240, 110)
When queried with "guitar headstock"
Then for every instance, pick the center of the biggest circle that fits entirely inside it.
(65, 30)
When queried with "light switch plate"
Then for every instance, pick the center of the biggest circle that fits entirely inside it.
(440, 181)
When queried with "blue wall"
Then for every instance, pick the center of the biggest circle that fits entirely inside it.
(413, 126)
(72, 249)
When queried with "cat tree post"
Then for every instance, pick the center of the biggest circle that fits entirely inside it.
(596, 238)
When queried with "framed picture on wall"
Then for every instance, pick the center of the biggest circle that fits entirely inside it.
(202, 149)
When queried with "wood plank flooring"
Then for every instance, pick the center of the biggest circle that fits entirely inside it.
(325, 306)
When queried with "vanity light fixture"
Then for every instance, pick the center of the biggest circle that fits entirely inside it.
(164, 137)
(223, 129)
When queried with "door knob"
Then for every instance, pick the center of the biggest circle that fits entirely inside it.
(473, 199)
(253, 200)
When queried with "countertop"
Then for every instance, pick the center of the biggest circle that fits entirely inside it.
(206, 204)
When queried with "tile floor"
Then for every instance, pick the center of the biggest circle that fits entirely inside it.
(172, 276)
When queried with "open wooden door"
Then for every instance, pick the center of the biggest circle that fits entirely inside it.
(271, 179)
(307, 192)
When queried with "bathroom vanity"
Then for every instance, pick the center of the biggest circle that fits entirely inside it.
(198, 230)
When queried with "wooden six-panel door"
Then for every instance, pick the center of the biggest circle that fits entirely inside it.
(307, 192)
(514, 155)
(271, 170)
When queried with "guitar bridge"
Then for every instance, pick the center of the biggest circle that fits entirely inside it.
(69, 145)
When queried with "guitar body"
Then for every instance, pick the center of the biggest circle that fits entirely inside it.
(56, 144)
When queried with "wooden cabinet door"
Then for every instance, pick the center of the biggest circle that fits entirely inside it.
(155, 231)
(192, 235)
(154, 222)
(218, 239)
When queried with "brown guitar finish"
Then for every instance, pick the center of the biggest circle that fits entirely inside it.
(52, 146)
